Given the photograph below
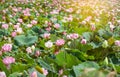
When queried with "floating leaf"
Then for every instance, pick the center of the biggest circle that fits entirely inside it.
(79, 68)
(22, 40)
(65, 59)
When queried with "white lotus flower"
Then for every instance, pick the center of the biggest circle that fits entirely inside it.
(49, 44)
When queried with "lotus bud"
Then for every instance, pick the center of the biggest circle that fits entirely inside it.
(33, 47)
(105, 44)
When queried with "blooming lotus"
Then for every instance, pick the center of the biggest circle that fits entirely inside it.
(8, 60)
(48, 44)
(7, 47)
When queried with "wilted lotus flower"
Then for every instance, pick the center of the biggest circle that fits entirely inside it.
(2, 74)
(34, 74)
(7, 47)
(8, 60)
(48, 44)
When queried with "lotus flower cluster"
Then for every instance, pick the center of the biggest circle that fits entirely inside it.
(55, 38)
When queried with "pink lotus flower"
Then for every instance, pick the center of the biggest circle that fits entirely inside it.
(64, 76)
(49, 24)
(5, 26)
(19, 8)
(97, 20)
(93, 26)
(72, 36)
(45, 72)
(60, 71)
(117, 42)
(13, 34)
(46, 35)
(34, 74)
(75, 36)
(57, 26)
(69, 10)
(83, 41)
(15, 9)
(64, 33)
(83, 22)
(37, 53)
(33, 22)
(2, 74)
(54, 12)
(29, 25)
(60, 42)
(69, 36)
(8, 60)
(16, 26)
(20, 20)
(70, 18)
(88, 18)
(48, 29)
(3, 17)
(111, 26)
(7, 47)
(29, 50)
(19, 30)
(26, 12)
